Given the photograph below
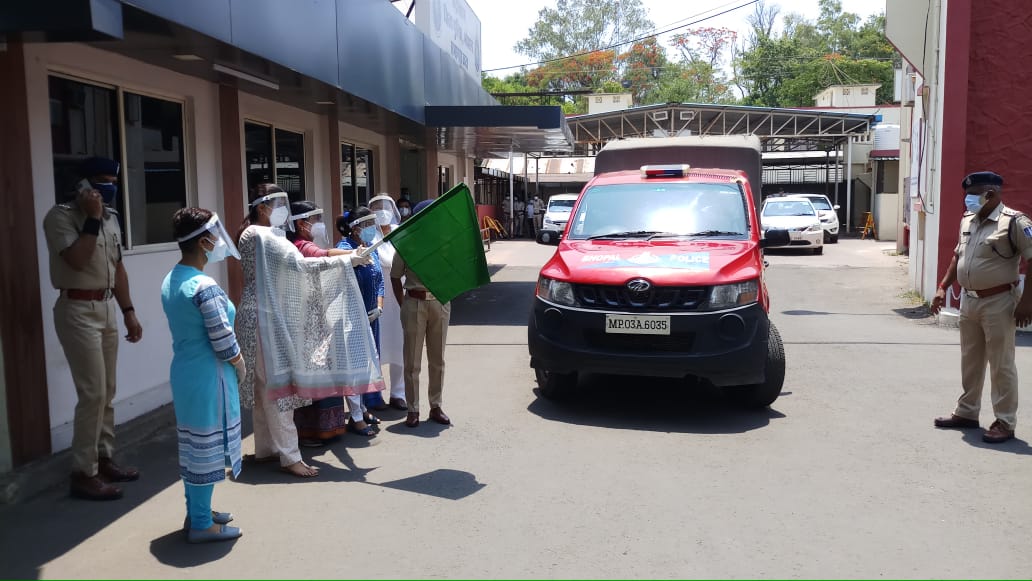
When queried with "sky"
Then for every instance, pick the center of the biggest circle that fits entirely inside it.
(503, 23)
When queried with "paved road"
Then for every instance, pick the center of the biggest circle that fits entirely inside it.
(843, 477)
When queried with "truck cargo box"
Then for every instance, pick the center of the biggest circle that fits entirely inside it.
(737, 152)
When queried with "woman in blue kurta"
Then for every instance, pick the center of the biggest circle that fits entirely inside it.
(362, 231)
(206, 365)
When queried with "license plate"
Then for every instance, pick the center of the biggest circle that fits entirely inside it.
(638, 324)
(796, 235)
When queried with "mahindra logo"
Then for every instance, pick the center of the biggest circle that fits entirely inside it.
(639, 285)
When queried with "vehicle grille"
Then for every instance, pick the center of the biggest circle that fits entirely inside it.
(657, 298)
(624, 344)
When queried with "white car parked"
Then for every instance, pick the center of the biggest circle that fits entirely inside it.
(557, 214)
(828, 214)
(797, 215)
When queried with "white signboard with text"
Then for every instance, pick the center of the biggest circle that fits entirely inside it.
(454, 27)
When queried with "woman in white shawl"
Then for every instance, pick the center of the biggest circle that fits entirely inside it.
(273, 328)
(391, 341)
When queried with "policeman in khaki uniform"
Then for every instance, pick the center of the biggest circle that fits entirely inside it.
(993, 239)
(85, 246)
(423, 319)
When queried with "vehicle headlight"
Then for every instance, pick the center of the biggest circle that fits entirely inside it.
(556, 291)
(826, 219)
(733, 295)
(814, 227)
(548, 222)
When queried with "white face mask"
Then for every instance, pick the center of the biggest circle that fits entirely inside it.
(383, 217)
(319, 235)
(218, 253)
(279, 216)
(404, 212)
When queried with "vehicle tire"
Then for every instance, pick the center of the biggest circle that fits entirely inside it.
(545, 237)
(819, 250)
(763, 394)
(834, 239)
(553, 385)
(827, 237)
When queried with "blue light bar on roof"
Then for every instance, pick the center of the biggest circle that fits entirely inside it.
(665, 171)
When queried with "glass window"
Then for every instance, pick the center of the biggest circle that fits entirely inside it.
(258, 154)
(287, 148)
(443, 179)
(788, 208)
(290, 163)
(356, 175)
(669, 209)
(155, 171)
(85, 122)
(820, 203)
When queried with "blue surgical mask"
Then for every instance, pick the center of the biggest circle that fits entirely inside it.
(974, 203)
(367, 234)
(108, 191)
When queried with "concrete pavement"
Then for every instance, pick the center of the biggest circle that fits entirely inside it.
(843, 477)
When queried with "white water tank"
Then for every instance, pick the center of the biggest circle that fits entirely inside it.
(886, 136)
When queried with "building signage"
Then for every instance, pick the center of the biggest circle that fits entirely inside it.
(454, 27)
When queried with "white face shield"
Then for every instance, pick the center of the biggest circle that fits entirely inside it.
(368, 231)
(385, 210)
(318, 228)
(224, 245)
(280, 205)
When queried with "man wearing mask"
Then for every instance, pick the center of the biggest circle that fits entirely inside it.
(993, 240)
(85, 247)
(404, 208)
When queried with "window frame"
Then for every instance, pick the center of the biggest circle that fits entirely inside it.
(189, 175)
(305, 157)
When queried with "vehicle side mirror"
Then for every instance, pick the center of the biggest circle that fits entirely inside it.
(836, 206)
(773, 238)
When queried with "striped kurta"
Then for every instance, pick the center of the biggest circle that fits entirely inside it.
(204, 383)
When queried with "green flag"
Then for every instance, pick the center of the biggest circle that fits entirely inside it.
(442, 245)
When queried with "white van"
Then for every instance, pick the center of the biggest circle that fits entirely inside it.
(556, 215)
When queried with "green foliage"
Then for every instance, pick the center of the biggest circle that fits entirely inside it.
(769, 67)
(790, 68)
(576, 26)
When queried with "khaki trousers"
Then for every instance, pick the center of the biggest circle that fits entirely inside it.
(423, 320)
(987, 330)
(88, 332)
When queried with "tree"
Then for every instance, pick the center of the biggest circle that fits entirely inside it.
(578, 26)
(790, 68)
(700, 77)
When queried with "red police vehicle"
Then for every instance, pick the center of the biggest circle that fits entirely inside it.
(660, 272)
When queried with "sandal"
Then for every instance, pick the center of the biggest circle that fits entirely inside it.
(311, 443)
(367, 431)
(306, 470)
(371, 419)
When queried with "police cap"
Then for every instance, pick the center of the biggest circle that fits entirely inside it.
(983, 178)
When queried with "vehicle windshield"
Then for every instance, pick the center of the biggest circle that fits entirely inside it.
(820, 203)
(661, 210)
(787, 208)
(560, 205)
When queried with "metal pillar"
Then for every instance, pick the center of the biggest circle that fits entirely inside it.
(512, 217)
(849, 184)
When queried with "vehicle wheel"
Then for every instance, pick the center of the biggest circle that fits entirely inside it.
(553, 385)
(545, 237)
(763, 394)
(827, 237)
(819, 250)
(834, 239)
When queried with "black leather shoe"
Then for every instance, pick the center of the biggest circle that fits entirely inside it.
(115, 473)
(412, 420)
(93, 488)
(438, 415)
(955, 421)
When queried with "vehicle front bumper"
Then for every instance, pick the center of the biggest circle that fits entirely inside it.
(808, 239)
(725, 347)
